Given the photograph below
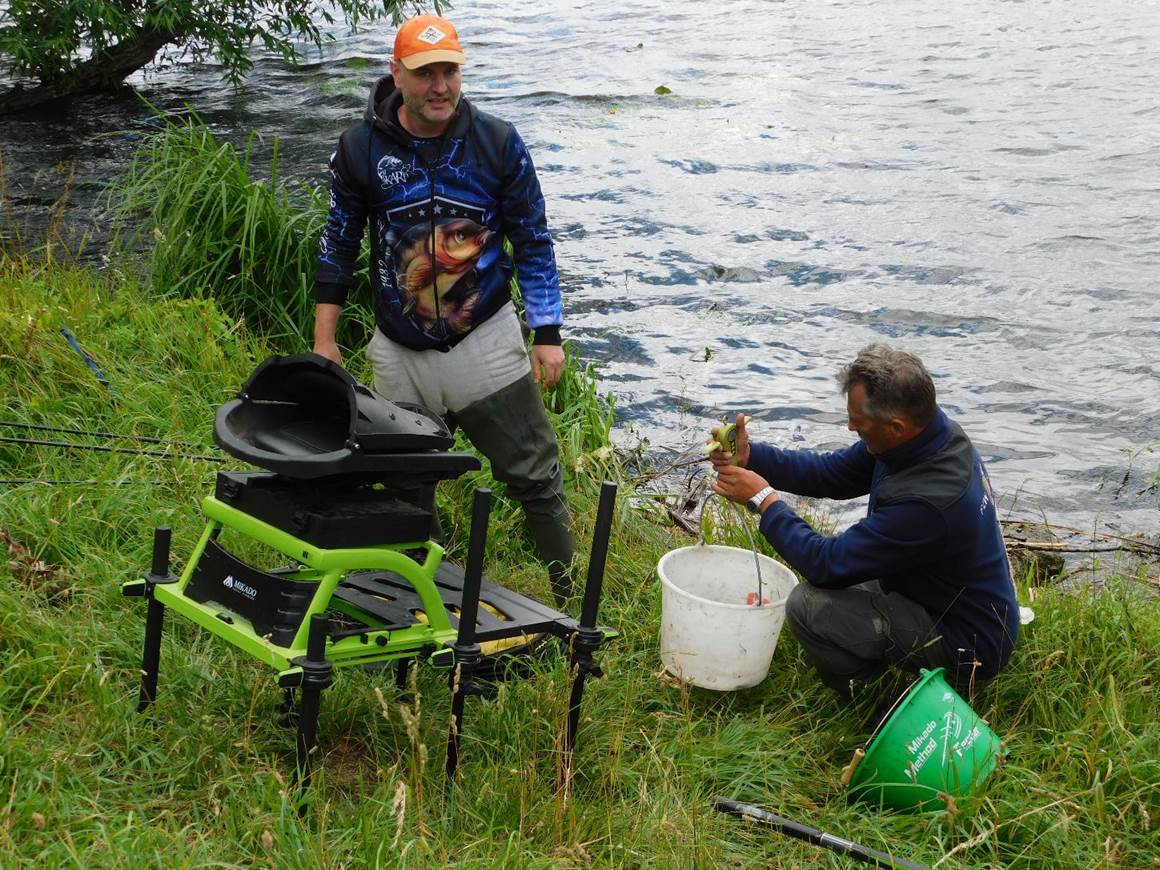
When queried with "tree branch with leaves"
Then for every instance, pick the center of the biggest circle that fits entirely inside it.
(57, 48)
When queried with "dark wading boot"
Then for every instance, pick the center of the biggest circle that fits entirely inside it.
(510, 427)
(556, 547)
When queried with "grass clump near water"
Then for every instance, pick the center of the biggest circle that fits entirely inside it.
(208, 224)
(204, 779)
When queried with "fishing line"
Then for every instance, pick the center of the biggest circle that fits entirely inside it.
(25, 481)
(745, 522)
(41, 427)
(162, 454)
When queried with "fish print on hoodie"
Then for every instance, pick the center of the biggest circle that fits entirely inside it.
(438, 211)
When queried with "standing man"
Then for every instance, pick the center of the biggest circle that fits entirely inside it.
(923, 580)
(441, 185)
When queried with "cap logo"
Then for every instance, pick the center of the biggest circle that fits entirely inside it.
(431, 35)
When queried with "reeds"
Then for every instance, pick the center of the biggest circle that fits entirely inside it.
(208, 227)
(45, 224)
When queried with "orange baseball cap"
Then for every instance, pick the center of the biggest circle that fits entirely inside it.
(428, 39)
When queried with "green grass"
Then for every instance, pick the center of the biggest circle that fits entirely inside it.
(203, 780)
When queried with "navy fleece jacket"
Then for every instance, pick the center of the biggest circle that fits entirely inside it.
(930, 533)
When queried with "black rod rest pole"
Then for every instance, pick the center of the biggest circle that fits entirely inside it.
(467, 654)
(154, 617)
(587, 637)
(812, 835)
(317, 674)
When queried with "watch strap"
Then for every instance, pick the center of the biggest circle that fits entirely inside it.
(758, 497)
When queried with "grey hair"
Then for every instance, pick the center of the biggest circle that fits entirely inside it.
(896, 382)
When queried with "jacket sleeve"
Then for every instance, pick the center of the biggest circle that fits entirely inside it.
(525, 224)
(841, 474)
(345, 222)
(889, 541)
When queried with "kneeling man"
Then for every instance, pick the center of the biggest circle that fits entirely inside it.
(923, 580)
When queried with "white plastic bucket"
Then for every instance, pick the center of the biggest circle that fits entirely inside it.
(710, 636)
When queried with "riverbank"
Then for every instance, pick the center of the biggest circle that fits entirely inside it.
(85, 781)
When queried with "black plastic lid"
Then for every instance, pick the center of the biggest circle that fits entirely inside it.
(305, 416)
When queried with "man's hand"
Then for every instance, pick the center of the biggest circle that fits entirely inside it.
(721, 458)
(739, 484)
(547, 364)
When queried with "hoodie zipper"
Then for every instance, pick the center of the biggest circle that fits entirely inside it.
(434, 260)
(431, 168)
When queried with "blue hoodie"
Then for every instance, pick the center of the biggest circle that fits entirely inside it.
(439, 210)
(930, 533)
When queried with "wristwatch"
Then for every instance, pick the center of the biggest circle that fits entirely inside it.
(754, 503)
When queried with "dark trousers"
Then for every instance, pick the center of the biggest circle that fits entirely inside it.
(853, 635)
(511, 428)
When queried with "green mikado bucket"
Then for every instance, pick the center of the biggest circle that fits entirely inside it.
(930, 747)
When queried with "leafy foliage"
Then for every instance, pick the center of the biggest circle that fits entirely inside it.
(48, 39)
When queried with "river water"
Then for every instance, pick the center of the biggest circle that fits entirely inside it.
(976, 183)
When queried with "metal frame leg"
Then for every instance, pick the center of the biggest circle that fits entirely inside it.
(317, 674)
(402, 668)
(154, 617)
(467, 654)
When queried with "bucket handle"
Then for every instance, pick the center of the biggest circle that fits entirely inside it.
(848, 770)
(749, 531)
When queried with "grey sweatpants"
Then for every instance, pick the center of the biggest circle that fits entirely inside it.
(853, 635)
(491, 357)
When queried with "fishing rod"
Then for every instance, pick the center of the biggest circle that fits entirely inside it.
(66, 430)
(36, 481)
(104, 448)
(812, 835)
